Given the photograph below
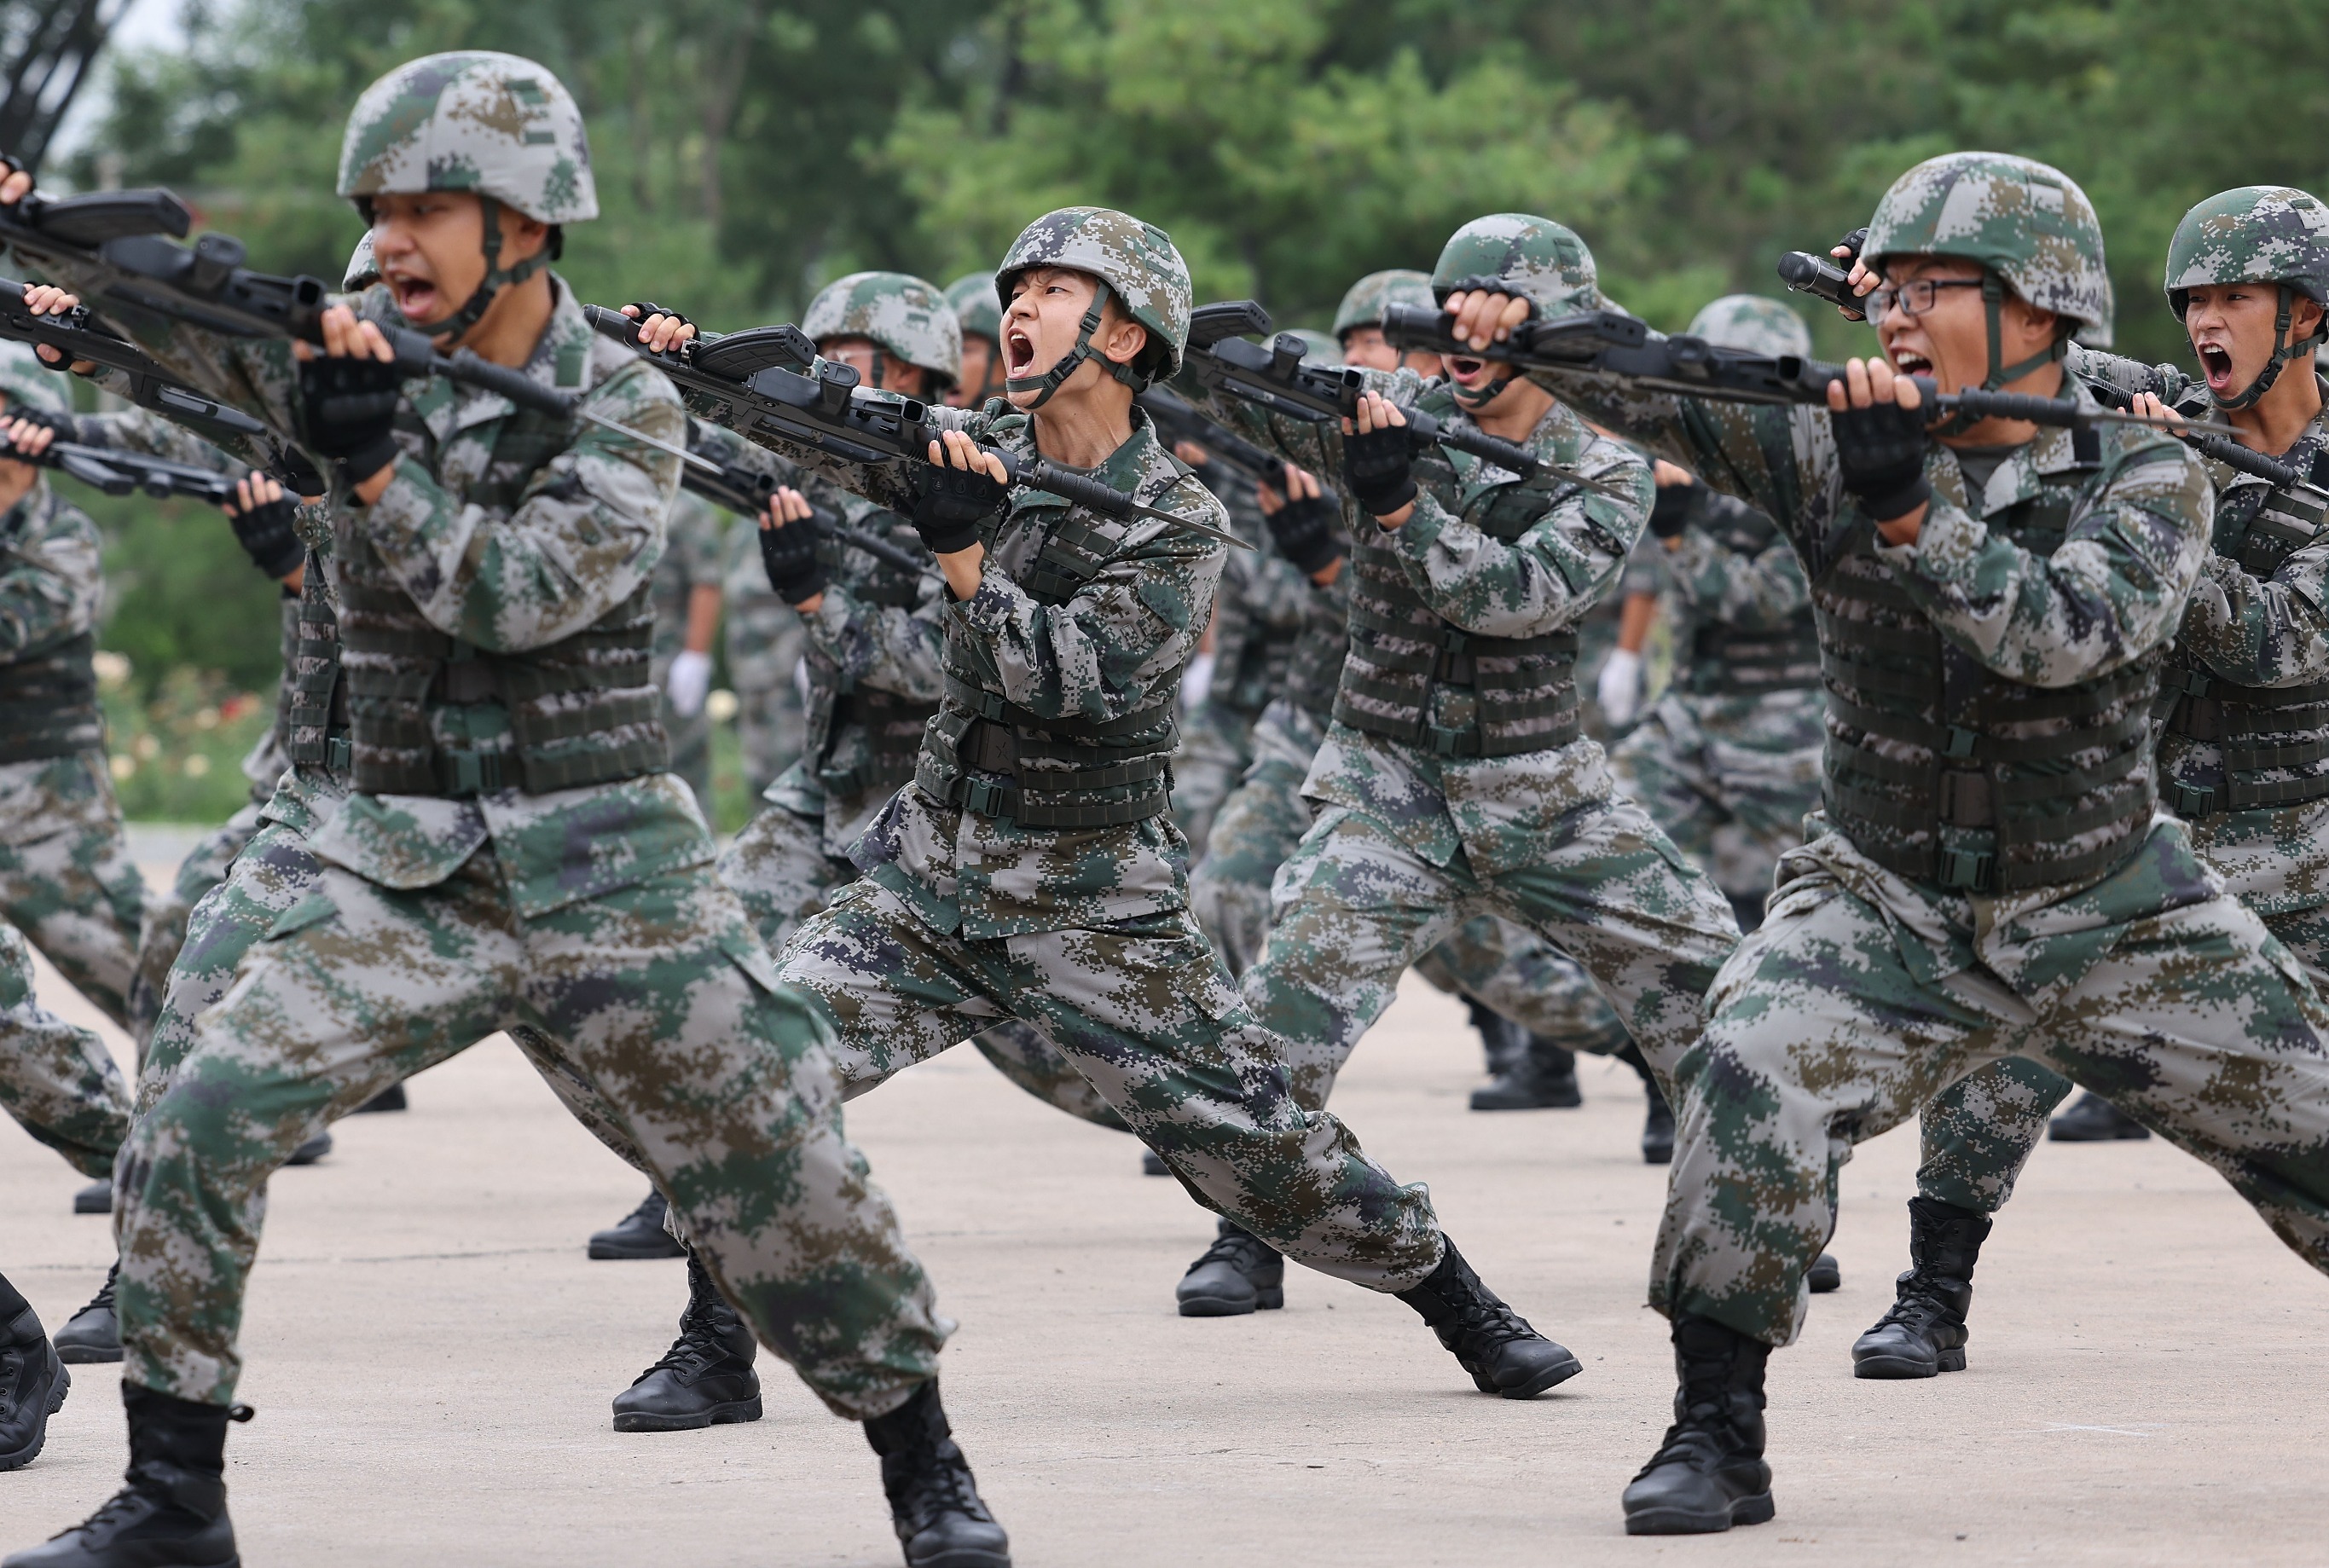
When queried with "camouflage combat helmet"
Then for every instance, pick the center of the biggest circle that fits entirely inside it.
(1752, 323)
(1318, 348)
(1535, 256)
(897, 311)
(495, 125)
(1135, 260)
(2028, 225)
(363, 270)
(1363, 304)
(28, 383)
(973, 297)
(2257, 234)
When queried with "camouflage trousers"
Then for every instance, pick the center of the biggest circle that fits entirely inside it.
(1730, 779)
(1863, 996)
(656, 1000)
(1216, 748)
(66, 877)
(57, 1080)
(1979, 1133)
(1142, 1009)
(1356, 906)
(1493, 960)
(166, 916)
(779, 869)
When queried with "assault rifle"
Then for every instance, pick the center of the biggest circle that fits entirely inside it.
(1275, 379)
(772, 383)
(746, 492)
(122, 247)
(1620, 347)
(119, 473)
(1177, 419)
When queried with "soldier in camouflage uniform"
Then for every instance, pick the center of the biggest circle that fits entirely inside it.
(1727, 761)
(2244, 700)
(764, 642)
(1988, 877)
(1454, 778)
(66, 878)
(687, 594)
(499, 713)
(972, 295)
(1031, 870)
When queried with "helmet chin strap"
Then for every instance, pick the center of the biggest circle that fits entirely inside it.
(473, 310)
(1052, 380)
(2283, 351)
(1993, 307)
(1483, 397)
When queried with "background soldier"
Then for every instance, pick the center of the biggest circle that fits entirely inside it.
(763, 641)
(972, 295)
(687, 593)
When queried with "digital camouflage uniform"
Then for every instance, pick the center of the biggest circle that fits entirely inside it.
(1017, 877)
(513, 854)
(763, 641)
(1453, 780)
(691, 560)
(1727, 761)
(2032, 903)
(2256, 621)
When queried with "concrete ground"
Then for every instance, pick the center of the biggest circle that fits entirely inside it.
(430, 1356)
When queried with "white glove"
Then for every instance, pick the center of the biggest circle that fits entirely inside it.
(689, 680)
(1196, 681)
(1619, 689)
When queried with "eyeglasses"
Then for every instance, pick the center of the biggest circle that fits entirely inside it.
(1913, 298)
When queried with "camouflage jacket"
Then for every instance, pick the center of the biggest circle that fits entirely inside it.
(1259, 613)
(1734, 579)
(1497, 812)
(853, 640)
(51, 573)
(691, 560)
(2254, 631)
(2112, 594)
(586, 534)
(1117, 645)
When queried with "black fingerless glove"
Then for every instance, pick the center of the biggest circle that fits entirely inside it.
(1673, 510)
(1881, 450)
(952, 504)
(267, 534)
(789, 554)
(348, 412)
(648, 307)
(1303, 531)
(1378, 464)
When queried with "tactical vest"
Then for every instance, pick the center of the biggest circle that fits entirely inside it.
(581, 710)
(1735, 661)
(2255, 729)
(989, 756)
(1313, 665)
(1946, 774)
(1250, 659)
(312, 704)
(1524, 689)
(892, 724)
(48, 703)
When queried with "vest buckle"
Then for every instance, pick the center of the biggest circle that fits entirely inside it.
(1961, 742)
(2189, 801)
(987, 798)
(1968, 860)
(339, 756)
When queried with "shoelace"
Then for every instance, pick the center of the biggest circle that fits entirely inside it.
(1242, 1253)
(104, 1297)
(941, 1485)
(120, 1505)
(1920, 1308)
(1499, 1324)
(692, 1351)
(648, 1215)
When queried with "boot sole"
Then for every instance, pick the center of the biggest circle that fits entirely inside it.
(1229, 1307)
(1900, 1367)
(25, 1455)
(634, 1253)
(1758, 1510)
(95, 1203)
(962, 1557)
(728, 1415)
(88, 1355)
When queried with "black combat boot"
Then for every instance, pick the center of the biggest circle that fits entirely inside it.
(1238, 1273)
(1708, 1474)
(1827, 1275)
(638, 1233)
(96, 1197)
(312, 1150)
(389, 1099)
(705, 1378)
(93, 1333)
(933, 1499)
(33, 1381)
(1542, 1076)
(1152, 1163)
(1489, 1340)
(171, 1510)
(2094, 1119)
(1657, 1121)
(1924, 1334)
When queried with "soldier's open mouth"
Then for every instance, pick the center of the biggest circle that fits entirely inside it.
(2218, 364)
(1909, 365)
(415, 296)
(1464, 368)
(1019, 353)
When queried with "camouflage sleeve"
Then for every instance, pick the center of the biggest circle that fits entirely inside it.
(2112, 592)
(1768, 456)
(1128, 630)
(885, 646)
(2262, 631)
(257, 375)
(1544, 581)
(692, 541)
(139, 430)
(52, 577)
(1277, 593)
(585, 535)
(722, 444)
(1756, 590)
